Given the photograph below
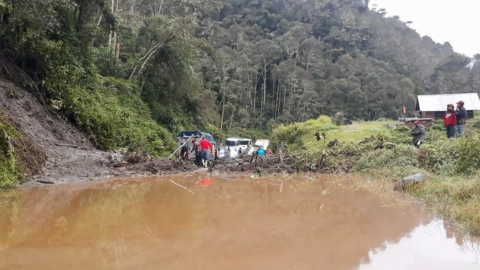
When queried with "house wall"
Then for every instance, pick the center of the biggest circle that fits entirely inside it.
(439, 115)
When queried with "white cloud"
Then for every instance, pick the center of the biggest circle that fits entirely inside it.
(442, 20)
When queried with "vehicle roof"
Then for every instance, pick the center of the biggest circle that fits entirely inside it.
(197, 133)
(237, 138)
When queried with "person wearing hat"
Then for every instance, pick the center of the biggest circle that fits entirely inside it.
(450, 121)
(461, 114)
(418, 133)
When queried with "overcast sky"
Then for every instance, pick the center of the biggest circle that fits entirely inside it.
(455, 21)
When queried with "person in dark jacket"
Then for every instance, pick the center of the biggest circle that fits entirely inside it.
(184, 152)
(196, 150)
(418, 133)
(461, 114)
(450, 121)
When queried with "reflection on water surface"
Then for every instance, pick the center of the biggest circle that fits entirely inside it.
(187, 222)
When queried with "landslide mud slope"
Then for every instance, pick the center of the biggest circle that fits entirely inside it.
(71, 156)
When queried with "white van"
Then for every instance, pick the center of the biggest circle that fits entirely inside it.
(233, 147)
(261, 143)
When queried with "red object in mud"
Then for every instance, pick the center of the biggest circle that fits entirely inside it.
(206, 182)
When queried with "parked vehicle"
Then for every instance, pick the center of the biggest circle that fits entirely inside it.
(194, 135)
(261, 143)
(235, 147)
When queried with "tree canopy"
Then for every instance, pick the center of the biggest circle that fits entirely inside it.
(224, 66)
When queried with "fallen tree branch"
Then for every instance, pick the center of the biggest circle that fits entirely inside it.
(175, 183)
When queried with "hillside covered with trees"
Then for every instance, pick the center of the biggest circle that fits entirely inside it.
(132, 73)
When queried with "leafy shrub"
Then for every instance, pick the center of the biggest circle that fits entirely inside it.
(321, 120)
(10, 172)
(439, 156)
(114, 119)
(215, 132)
(468, 157)
(476, 125)
(338, 118)
(290, 135)
(400, 156)
(438, 125)
(109, 110)
(401, 135)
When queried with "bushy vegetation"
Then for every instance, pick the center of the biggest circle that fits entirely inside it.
(455, 197)
(291, 135)
(451, 166)
(236, 65)
(399, 156)
(338, 118)
(19, 156)
(10, 173)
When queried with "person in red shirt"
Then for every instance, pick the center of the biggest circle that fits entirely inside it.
(204, 146)
(450, 121)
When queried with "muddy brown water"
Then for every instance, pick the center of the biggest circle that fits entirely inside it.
(225, 222)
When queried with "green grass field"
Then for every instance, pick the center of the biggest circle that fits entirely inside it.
(354, 133)
(451, 166)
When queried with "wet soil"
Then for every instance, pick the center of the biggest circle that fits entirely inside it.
(70, 156)
(64, 154)
(200, 221)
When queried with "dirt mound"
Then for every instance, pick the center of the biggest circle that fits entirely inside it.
(30, 155)
(267, 164)
(71, 156)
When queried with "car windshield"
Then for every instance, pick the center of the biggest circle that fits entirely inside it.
(244, 142)
(232, 143)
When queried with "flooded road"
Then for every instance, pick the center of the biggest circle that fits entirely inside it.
(198, 222)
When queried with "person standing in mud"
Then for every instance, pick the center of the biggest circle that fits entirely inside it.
(418, 133)
(206, 149)
(196, 150)
(450, 121)
(184, 152)
(461, 114)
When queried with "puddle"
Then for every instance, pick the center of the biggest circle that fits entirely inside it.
(194, 222)
(430, 246)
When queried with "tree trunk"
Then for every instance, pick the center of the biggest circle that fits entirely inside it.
(80, 15)
(255, 92)
(279, 100)
(223, 109)
(117, 51)
(100, 19)
(231, 117)
(110, 36)
(160, 7)
(224, 85)
(274, 99)
(147, 56)
(307, 61)
(264, 91)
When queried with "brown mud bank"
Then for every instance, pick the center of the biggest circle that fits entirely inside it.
(66, 154)
(200, 221)
(63, 154)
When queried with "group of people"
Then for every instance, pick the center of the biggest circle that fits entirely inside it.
(454, 121)
(202, 149)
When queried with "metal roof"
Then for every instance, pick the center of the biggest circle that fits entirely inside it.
(434, 103)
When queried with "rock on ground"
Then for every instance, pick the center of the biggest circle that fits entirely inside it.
(412, 179)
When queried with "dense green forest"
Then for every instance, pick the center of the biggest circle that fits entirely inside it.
(131, 73)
